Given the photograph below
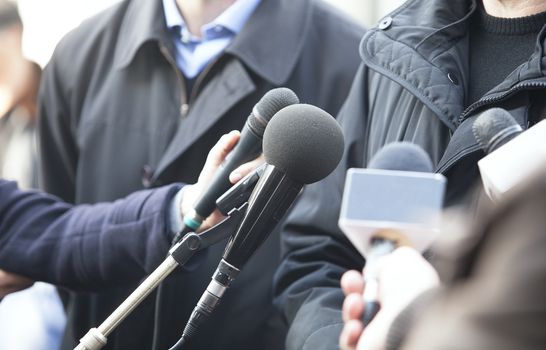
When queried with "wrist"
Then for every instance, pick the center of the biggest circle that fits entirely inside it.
(176, 215)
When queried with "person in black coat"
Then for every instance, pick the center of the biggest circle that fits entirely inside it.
(120, 111)
(428, 69)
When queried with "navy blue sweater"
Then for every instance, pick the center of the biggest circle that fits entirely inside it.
(83, 247)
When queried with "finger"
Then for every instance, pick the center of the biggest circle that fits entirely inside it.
(222, 148)
(350, 334)
(352, 282)
(245, 169)
(353, 305)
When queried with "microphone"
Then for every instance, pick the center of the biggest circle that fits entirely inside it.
(396, 201)
(248, 148)
(302, 144)
(512, 155)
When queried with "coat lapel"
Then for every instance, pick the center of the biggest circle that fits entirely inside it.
(225, 89)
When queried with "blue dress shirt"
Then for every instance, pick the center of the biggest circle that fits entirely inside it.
(192, 54)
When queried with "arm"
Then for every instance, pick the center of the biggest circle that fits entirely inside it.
(86, 246)
(90, 246)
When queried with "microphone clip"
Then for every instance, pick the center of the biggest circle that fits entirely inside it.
(193, 242)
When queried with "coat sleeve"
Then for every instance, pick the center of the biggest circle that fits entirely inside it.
(86, 246)
(315, 251)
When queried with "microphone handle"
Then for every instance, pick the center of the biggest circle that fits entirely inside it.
(248, 148)
(272, 197)
(371, 308)
(380, 247)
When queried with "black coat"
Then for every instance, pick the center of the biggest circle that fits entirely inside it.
(114, 118)
(411, 86)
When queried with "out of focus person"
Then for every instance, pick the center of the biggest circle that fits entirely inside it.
(135, 96)
(19, 81)
(429, 68)
(38, 310)
(492, 292)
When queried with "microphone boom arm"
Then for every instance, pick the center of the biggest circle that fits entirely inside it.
(179, 255)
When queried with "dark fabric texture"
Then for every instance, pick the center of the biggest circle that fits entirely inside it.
(411, 87)
(85, 247)
(113, 119)
(497, 47)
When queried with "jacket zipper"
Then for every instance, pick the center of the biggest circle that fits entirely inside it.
(479, 104)
(489, 100)
(184, 104)
(201, 77)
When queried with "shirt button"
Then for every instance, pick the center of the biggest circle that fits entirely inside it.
(385, 23)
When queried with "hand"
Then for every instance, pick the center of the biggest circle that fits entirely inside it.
(10, 283)
(403, 275)
(214, 159)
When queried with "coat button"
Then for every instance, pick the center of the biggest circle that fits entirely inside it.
(385, 23)
(147, 176)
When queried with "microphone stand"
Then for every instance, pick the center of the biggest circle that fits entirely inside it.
(179, 254)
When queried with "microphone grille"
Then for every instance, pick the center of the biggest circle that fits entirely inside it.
(303, 141)
(493, 128)
(272, 102)
(402, 156)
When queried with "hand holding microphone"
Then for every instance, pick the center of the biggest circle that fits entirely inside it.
(402, 276)
(214, 161)
(247, 148)
(395, 202)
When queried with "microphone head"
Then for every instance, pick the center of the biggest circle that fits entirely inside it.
(402, 156)
(495, 127)
(272, 102)
(304, 142)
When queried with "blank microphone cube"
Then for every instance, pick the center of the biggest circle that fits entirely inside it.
(376, 201)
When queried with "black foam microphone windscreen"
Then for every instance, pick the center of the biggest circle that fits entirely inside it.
(402, 156)
(303, 141)
(495, 127)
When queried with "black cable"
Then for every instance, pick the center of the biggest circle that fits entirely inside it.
(160, 293)
(157, 317)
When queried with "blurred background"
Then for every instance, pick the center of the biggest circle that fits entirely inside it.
(46, 21)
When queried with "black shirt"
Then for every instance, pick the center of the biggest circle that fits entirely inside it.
(497, 47)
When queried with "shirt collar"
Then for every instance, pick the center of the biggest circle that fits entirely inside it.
(273, 59)
(233, 18)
